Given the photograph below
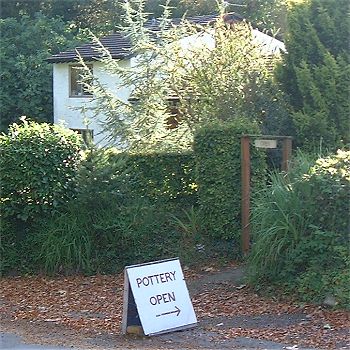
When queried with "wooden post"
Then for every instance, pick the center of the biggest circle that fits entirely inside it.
(286, 153)
(245, 166)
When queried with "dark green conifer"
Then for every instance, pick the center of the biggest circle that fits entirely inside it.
(315, 72)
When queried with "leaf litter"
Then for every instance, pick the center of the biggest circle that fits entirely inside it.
(93, 306)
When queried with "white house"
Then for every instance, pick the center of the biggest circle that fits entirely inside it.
(68, 94)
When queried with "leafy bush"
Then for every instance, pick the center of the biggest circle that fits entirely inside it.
(106, 239)
(120, 216)
(301, 233)
(38, 164)
(218, 160)
(166, 177)
(9, 252)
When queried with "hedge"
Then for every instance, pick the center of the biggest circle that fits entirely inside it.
(218, 166)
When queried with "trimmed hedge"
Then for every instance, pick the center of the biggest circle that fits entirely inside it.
(162, 176)
(217, 151)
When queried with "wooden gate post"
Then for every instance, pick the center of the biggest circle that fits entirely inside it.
(245, 170)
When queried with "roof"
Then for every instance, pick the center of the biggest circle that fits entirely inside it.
(119, 45)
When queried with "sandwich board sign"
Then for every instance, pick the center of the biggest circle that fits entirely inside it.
(156, 298)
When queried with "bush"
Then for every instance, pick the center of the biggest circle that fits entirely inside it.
(218, 159)
(167, 177)
(301, 233)
(38, 164)
(121, 213)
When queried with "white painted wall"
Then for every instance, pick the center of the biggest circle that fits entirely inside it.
(64, 105)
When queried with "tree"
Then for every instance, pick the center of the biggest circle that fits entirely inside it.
(315, 72)
(100, 16)
(177, 89)
(268, 15)
(26, 79)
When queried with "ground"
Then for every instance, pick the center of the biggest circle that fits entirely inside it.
(86, 312)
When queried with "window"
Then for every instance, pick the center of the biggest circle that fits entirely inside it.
(76, 88)
(86, 134)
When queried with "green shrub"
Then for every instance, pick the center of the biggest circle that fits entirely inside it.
(9, 250)
(167, 177)
(121, 213)
(300, 231)
(104, 240)
(64, 242)
(38, 164)
(218, 160)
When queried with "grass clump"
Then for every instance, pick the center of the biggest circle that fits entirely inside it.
(300, 230)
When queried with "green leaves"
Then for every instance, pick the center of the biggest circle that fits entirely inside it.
(217, 150)
(300, 226)
(26, 78)
(38, 166)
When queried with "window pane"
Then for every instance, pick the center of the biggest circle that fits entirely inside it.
(76, 88)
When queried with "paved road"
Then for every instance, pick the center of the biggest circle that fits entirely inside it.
(10, 341)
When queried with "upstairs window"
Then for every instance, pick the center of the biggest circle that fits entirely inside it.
(76, 88)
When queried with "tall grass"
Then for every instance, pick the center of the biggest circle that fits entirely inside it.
(278, 220)
(66, 242)
(300, 231)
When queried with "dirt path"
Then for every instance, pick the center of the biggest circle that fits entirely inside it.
(85, 312)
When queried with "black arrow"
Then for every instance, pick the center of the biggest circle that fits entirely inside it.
(177, 312)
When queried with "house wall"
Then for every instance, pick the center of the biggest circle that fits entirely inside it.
(65, 106)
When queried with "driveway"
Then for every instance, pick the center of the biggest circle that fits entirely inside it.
(10, 341)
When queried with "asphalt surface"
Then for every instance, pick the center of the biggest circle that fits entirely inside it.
(10, 341)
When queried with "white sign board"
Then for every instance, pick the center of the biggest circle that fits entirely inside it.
(161, 296)
(265, 143)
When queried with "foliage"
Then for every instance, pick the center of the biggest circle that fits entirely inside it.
(218, 160)
(268, 15)
(301, 234)
(162, 177)
(102, 15)
(157, 176)
(9, 250)
(315, 72)
(209, 82)
(120, 214)
(38, 165)
(64, 243)
(26, 79)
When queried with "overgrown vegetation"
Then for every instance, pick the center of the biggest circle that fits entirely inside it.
(38, 168)
(63, 215)
(26, 78)
(229, 80)
(315, 73)
(301, 236)
(121, 209)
